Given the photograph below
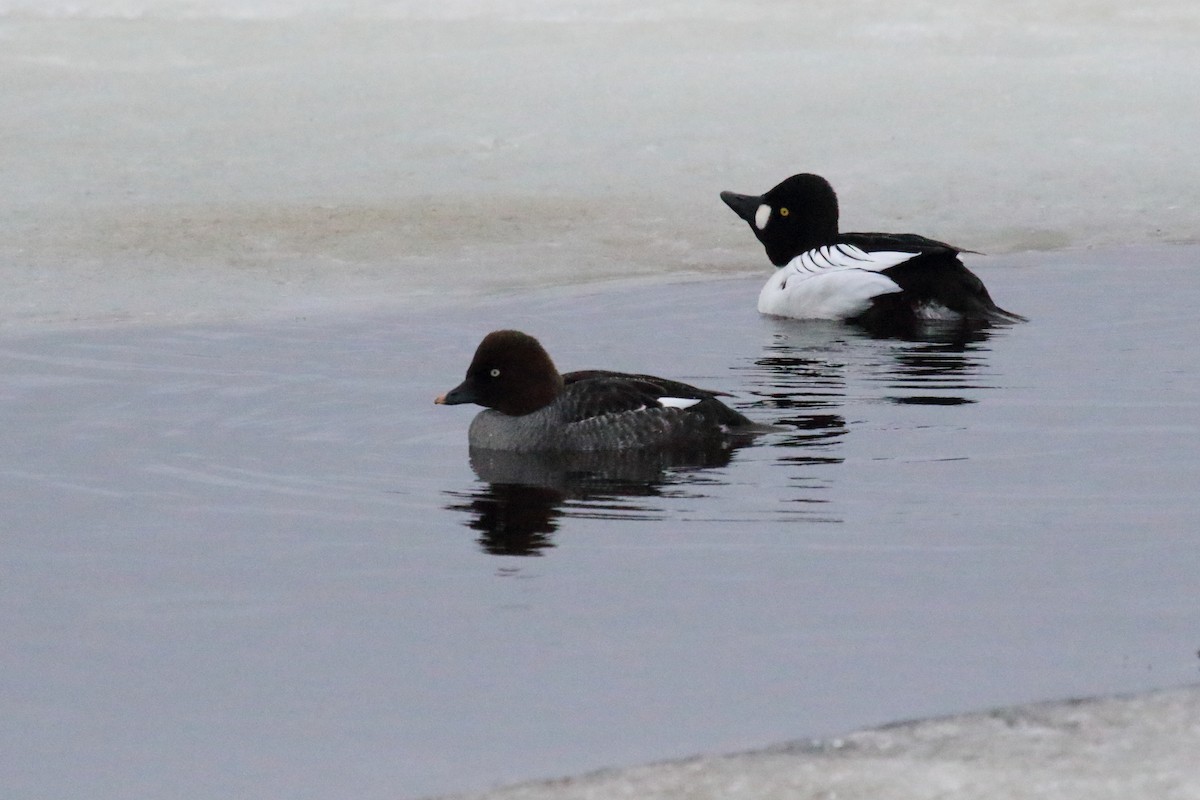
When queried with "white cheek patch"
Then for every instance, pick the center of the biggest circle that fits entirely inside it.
(678, 402)
(761, 216)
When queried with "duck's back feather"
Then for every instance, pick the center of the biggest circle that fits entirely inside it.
(934, 277)
(898, 241)
(651, 383)
(594, 393)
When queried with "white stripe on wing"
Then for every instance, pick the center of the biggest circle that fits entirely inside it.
(846, 256)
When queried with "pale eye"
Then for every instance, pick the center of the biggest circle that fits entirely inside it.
(495, 373)
(761, 216)
(783, 212)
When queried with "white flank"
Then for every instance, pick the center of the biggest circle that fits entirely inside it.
(761, 216)
(830, 294)
(678, 402)
(831, 282)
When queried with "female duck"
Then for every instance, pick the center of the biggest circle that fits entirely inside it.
(530, 407)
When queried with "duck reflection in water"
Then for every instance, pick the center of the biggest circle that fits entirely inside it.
(807, 391)
(937, 373)
(807, 367)
(525, 495)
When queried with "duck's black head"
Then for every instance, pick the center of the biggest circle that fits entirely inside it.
(511, 373)
(797, 215)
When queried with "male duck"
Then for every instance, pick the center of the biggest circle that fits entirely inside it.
(883, 281)
(530, 407)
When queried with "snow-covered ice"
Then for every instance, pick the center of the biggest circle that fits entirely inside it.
(260, 158)
(1110, 749)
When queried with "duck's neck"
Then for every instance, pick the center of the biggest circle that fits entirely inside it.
(535, 395)
(819, 228)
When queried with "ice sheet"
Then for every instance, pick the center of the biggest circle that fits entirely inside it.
(1112, 749)
(269, 158)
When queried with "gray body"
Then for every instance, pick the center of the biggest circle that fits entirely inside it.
(549, 430)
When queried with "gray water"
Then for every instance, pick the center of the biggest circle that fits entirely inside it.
(256, 560)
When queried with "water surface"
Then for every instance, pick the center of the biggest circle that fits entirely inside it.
(256, 560)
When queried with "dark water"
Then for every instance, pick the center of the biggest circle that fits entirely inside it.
(258, 561)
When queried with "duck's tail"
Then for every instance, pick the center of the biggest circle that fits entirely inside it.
(984, 308)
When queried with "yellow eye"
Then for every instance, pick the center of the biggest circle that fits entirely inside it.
(783, 212)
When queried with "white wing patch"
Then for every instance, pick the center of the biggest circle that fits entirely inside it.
(845, 256)
(678, 402)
